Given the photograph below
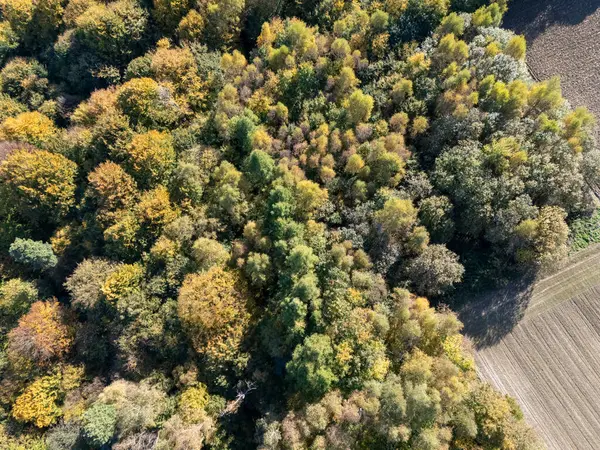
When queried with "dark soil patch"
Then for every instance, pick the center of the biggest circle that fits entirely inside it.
(563, 38)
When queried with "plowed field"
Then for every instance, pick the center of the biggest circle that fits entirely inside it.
(550, 360)
(563, 38)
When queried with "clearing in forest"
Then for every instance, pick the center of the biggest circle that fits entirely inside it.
(540, 343)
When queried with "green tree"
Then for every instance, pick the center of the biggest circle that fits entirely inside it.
(36, 255)
(113, 31)
(25, 80)
(257, 269)
(138, 406)
(9, 40)
(208, 253)
(436, 214)
(544, 240)
(260, 168)
(435, 270)
(228, 198)
(168, 13)
(396, 218)
(359, 107)
(35, 24)
(9, 107)
(99, 422)
(16, 297)
(223, 21)
(148, 103)
(310, 372)
(309, 198)
(86, 282)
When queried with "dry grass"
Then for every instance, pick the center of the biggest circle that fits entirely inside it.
(550, 360)
(562, 38)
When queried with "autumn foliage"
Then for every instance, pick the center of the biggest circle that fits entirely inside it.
(221, 221)
(43, 336)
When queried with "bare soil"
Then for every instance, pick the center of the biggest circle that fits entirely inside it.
(563, 38)
(548, 357)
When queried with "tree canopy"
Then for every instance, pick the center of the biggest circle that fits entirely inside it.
(220, 221)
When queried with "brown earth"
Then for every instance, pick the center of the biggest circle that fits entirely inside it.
(541, 345)
(563, 38)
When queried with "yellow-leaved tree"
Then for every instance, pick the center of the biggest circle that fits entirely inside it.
(214, 306)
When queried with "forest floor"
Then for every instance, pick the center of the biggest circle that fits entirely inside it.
(562, 39)
(540, 343)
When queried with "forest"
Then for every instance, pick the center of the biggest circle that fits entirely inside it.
(234, 224)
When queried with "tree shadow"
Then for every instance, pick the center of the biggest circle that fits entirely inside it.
(532, 17)
(495, 312)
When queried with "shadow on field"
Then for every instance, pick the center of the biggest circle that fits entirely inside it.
(495, 313)
(533, 17)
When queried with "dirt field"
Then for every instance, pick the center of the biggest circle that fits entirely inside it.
(562, 38)
(550, 360)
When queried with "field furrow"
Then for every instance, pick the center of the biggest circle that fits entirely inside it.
(550, 360)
